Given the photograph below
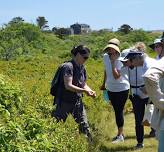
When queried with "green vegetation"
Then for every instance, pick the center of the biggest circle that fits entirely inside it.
(29, 58)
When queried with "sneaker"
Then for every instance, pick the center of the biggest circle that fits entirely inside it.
(114, 138)
(117, 139)
(88, 136)
(139, 146)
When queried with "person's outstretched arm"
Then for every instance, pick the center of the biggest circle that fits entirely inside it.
(69, 86)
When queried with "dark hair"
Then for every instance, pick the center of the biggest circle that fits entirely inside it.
(80, 49)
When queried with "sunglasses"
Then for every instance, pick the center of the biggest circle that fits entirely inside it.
(84, 57)
(157, 46)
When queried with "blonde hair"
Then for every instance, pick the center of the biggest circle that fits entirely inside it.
(141, 46)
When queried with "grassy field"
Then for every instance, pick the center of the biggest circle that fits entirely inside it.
(130, 138)
(31, 128)
(34, 75)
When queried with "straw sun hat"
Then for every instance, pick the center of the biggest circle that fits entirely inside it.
(113, 43)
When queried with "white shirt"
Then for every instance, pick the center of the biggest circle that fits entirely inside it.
(157, 57)
(161, 81)
(136, 79)
(148, 62)
(112, 84)
(136, 76)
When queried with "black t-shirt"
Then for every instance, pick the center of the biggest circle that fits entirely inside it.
(78, 72)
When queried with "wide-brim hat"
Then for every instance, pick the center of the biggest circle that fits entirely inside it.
(115, 47)
(114, 41)
(159, 40)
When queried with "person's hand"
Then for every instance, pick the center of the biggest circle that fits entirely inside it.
(113, 57)
(90, 93)
(93, 94)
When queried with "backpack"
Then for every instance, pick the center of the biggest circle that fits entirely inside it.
(55, 89)
(56, 82)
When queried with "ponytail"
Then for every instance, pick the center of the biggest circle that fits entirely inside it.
(74, 51)
(80, 49)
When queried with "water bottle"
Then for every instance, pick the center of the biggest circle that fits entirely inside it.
(106, 96)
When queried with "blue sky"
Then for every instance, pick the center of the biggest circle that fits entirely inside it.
(99, 14)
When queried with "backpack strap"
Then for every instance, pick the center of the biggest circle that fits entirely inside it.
(136, 81)
(130, 91)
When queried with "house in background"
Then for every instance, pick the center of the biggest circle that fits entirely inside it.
(80, 28)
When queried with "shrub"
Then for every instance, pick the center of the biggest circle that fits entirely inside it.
(10, 94)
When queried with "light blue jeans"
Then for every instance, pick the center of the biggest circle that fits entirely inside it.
(161, 141)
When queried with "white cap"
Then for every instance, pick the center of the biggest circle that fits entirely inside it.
(159, 40)
(123, 55)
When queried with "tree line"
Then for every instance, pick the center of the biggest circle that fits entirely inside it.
(42, 23)
(20, 38)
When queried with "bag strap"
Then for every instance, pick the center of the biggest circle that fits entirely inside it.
(129, 81)
(136, 79)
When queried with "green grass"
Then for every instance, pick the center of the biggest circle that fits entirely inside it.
(130, 138)
(34, 72)
(34, 75)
